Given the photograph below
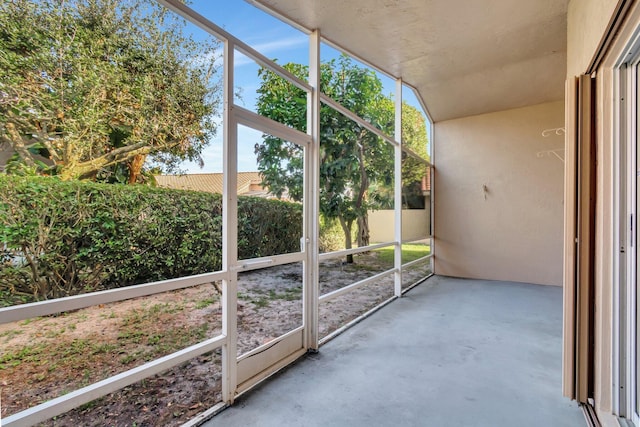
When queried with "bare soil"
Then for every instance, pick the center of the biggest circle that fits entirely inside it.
(47, 357)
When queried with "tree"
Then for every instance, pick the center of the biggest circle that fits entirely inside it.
(353, 159)
(89, 88)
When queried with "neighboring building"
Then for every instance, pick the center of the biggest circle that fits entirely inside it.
(249, 183)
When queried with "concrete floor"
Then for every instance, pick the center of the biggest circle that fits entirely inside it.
(452, 352)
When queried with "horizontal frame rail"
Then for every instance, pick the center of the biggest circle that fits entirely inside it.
(348, 288)
(337, 254)
(264, 124)
(266, 262)
(356, 118)
(59, 305)
(417, 241)
(416, 156)
(94, 391)
(417, 261)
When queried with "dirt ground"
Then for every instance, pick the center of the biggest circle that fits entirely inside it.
(46, 357)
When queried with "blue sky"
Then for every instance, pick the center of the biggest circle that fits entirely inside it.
(274, 39)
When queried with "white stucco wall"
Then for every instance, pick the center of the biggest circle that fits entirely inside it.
(498, 204)
(415, 225)
(587, 22)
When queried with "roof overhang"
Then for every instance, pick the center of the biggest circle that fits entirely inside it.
(463, 57)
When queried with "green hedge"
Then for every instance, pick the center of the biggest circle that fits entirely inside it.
(64, 238)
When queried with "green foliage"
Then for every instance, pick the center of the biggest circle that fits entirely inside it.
(410, 252)
(69, 237)
(268, 227)
(89, 88)
(331, 235)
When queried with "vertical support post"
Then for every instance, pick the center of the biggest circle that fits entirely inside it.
(312, 198)
(570, 236)
(586, 206)
(229, 233)
(397, 183)
(432, 173)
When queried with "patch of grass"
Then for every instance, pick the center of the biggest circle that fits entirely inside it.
(76, 347)
(410, 252)
(143, 334)
(161, 343)
(54, 333)
(134, 317)
(138, 316)
(111, 315)
(205, 303)
(261, 298)
(165, 308)
(132, 357)
(30, 353)
(131, 336)
(290, 294)
(260, 302)
(54, 355)
(10, 333)
(102, 348)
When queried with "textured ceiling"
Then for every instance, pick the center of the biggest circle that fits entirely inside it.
(464, 57)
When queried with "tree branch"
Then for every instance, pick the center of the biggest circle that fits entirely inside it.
(108, 159)
(17, 142)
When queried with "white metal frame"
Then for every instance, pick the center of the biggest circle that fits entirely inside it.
(625, 357)
(311, 287)
(397, 181)
(241, 373)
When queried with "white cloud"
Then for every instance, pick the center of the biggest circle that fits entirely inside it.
(270, 47)
(266, 48)
(276, 45)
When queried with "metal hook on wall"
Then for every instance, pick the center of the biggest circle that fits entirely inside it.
(555, 152)
(557, 131)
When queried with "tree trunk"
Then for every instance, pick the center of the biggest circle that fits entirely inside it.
(363, 220)
(346, 228)
(363, 230)
(74, 170)
(18, 145)
(135, 167)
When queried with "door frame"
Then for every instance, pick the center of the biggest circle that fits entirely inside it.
(625, 207)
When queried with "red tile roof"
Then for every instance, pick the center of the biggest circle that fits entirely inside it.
(248, 182)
